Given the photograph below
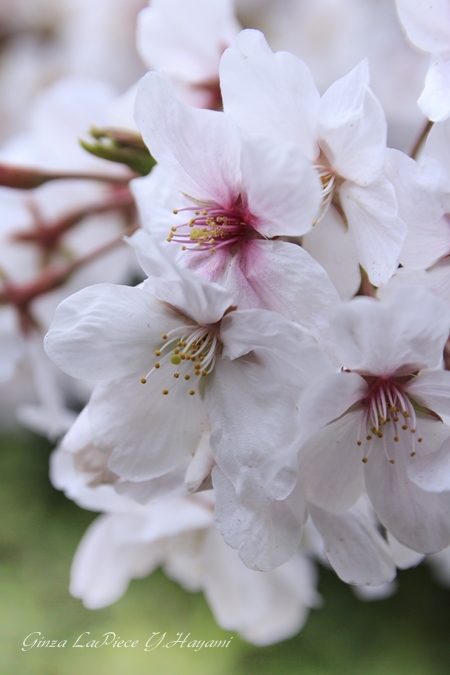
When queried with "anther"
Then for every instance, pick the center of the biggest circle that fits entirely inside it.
(192, 392)
(175, 211)
(404, 427)
(368, 438)
(392, 461)
(396, 439)
(157, 352)
(359, 442)
(164, 336)
(143, 380)
(187, 377)
(413, 431)
(365, 460)
(165, 392)
(413, 454)
(176, 375)
(419, 440)
(157, 365)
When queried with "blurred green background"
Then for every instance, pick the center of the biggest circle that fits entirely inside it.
(40, 529)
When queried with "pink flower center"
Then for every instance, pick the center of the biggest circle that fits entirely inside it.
(210, 228)
(387, 412)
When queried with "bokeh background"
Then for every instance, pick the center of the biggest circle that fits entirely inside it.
(406, 634)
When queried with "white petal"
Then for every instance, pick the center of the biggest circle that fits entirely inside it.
(270, 94)
(200, 147)
(106, 331)
(420, 520)
(404, 557)
(432, 390)
(426, 23)
(356, 550)
(330, 465)
(150, 433)
(199, 468)
(252, 400)
(435, 98)
(352, 127)
(266, 535)
(414, 322)
(102, 569)
(253, 426)
(178, 287)
(263, 608)
(422, 205)
(331, 243)
(171, 484)
(432, 473)
(282, 187)
(377, 230)
(437, 143)
(327, 398)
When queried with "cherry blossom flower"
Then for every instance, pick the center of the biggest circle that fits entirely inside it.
(380, 416)
(232, 197)
(344, 136)
(161, 349)
(427, 25)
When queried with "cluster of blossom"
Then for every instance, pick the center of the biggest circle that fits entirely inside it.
(273, 389)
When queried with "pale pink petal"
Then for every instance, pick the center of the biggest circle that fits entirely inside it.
(200, 147)
(205, 302)
(270, 94)
(377, 230)
(353, 128)
(282, 188)
(282, 277)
